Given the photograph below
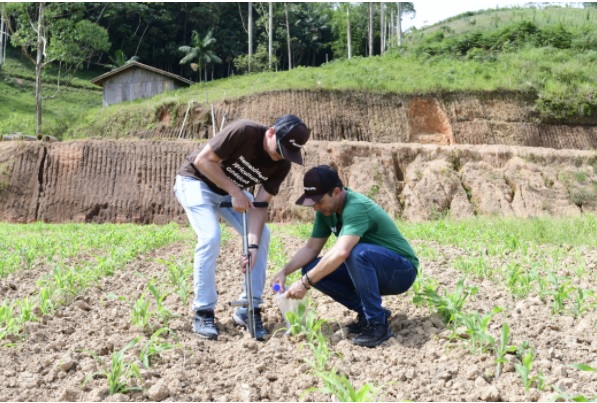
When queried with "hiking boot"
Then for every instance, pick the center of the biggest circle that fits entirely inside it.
(204, 324)
(241, 318)
(359, 325)
(373, 335)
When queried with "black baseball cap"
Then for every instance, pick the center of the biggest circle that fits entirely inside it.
(291, 136)
(318, 181)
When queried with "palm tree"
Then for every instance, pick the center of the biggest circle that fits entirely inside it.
(200, 50)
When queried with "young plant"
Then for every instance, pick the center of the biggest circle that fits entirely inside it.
(502, 348)
(161, 311)
(154, 347)
(479, 339)
(341, 387)
(450, 304)
(46, 304)
(119, 371)
(560, 293)
(524, 371)
(140, 314)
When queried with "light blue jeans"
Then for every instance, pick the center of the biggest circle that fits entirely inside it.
(201, 205)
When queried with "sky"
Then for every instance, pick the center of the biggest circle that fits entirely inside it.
(430, 12)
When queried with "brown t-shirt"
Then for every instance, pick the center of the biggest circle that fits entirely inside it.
(244, 161)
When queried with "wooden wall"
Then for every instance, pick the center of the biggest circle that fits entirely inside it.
(136, 83)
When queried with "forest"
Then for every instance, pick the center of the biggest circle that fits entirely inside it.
(223, 39)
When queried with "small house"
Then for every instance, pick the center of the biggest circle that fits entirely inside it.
(137, 80)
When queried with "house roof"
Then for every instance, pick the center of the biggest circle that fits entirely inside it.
(100, 80)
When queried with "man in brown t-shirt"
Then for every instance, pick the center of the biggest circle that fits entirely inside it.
(242, 155)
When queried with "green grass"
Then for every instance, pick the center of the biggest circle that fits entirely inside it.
(17, 99)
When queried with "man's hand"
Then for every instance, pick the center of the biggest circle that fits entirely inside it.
(297, 290)
(279, 279)
(250, 260)
(240, 202)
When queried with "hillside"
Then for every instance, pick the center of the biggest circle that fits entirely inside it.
(503, 52)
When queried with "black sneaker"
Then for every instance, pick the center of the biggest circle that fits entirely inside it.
(241, 318)
(204, 324)
(373, 335)
(359, 325)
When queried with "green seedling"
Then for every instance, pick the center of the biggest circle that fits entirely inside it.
(118, 371)
(524, 371)
(474, 266)
(161, 311)
(502, 348)
(517, 280)
(154, 347)
(449, 305)
(580, 302)
(341, 387)
(25, 310)
(140, 315)
(560, 293)
(178, 278)
(479, 339)
(8, 322)
(46, 304)
(277, 258)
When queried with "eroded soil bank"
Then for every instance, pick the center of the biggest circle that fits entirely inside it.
(131, 181)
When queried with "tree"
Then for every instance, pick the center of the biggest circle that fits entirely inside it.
(54, 33)
(200, 50)
(120, 59)
(288, 40)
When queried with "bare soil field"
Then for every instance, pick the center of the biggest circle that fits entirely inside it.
(422, 362)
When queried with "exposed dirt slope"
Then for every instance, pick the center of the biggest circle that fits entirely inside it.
(131, 181)
(506, 118)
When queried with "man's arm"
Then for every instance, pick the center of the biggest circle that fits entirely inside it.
(334, 257)
(304, 255)
(208, 163)
(328, 263)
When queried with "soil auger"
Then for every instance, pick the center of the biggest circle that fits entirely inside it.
(248, 287)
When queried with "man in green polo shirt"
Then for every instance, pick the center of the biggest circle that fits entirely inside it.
(370, 258)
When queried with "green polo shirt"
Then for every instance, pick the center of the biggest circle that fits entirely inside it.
(363, 217)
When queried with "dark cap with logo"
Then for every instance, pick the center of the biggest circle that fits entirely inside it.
(291, 136)
(318, 181)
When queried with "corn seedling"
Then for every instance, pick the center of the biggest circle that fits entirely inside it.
(560, 293)
(479, 339)
(517, 280)
(448, 306)
(277, 258)
(8, 322)
(524, 371)
(580, 303)
(341, 387)
(154, 347)
(25, 311)
(474, 266)
(118, 371)
(305, 321)
(502, 348)
(161, 311)
(46, 295)
(178, 278)
(140, 315)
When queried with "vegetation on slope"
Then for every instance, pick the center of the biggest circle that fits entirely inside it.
(548, 54)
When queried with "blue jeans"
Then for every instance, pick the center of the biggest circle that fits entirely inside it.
(369, 272)
(201, 205)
